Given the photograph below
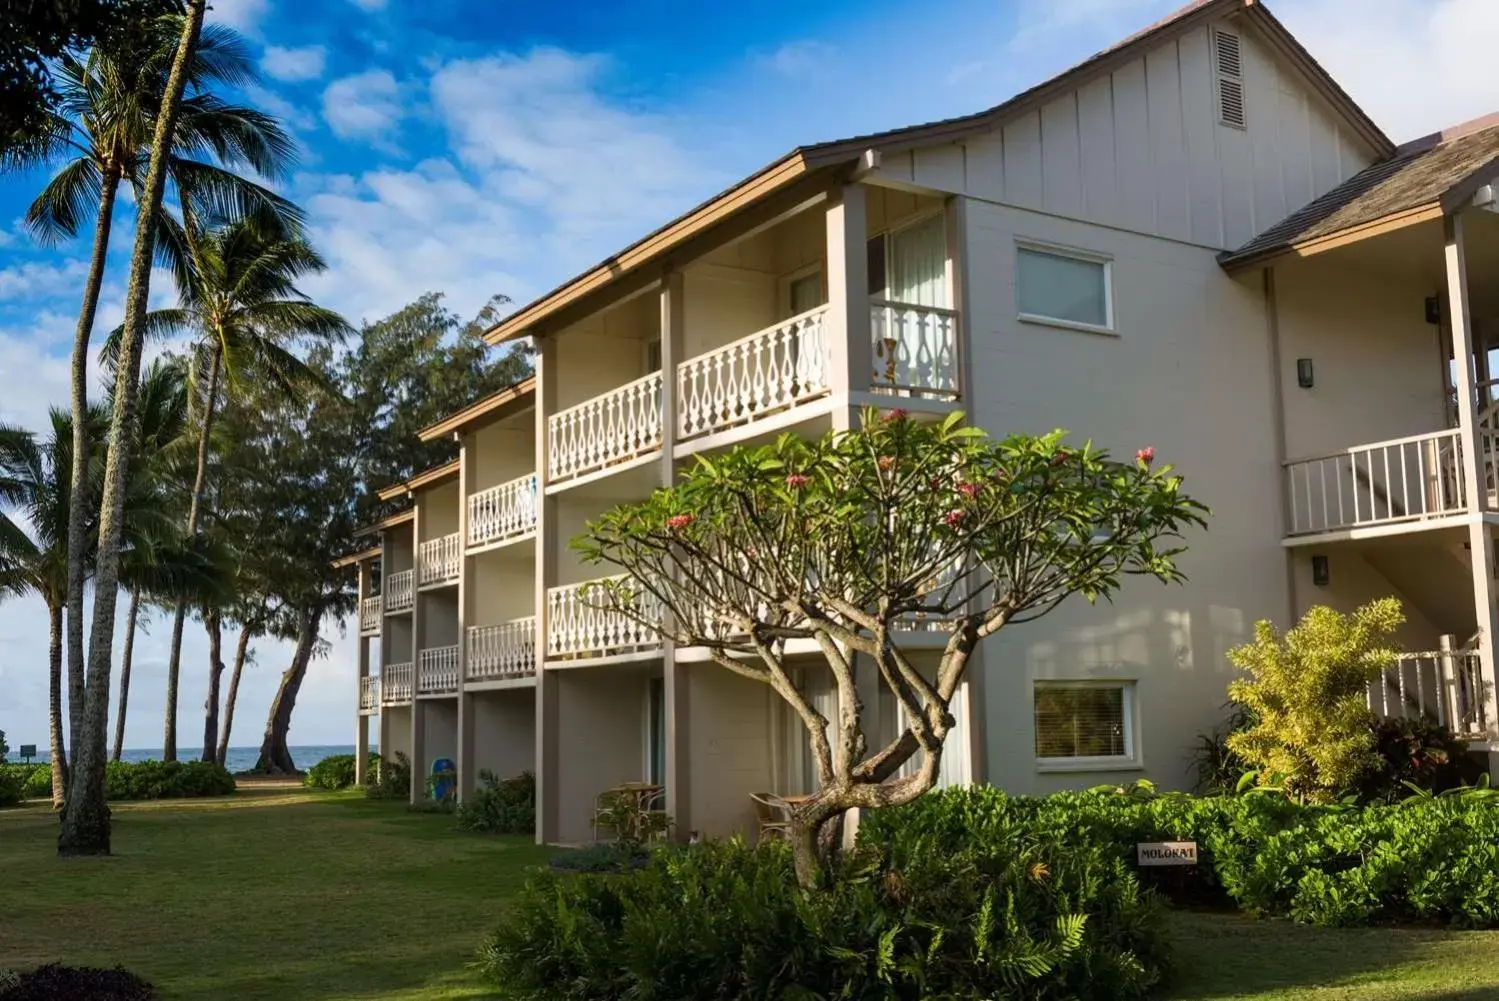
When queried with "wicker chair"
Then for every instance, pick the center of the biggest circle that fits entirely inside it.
(772, 816)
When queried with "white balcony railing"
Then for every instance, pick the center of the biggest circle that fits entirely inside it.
(615, 427)
(575, 627)
(1390, 481)
(369, 616)
(438, 560)
(437, 670)
(915, 350)
(507, 650)
(1447, 687)
(400, 591)
(507, 511)
(771, 370)
(396, 683)
(369, 693)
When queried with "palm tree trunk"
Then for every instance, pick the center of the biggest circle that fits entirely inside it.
(241, 651)
(54, 708)
(174, 656)
(275, 757)
(78, 497)
(125, 660)
(85, 818)
(214, 626)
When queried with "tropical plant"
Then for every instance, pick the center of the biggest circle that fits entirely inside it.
(500, 806)
(109, 102)
(843, 540)
(1307, 692)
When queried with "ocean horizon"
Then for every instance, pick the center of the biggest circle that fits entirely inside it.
(239, 759)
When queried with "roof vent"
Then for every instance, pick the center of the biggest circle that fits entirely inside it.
(1228, 54)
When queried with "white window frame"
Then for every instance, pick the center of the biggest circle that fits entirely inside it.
(1077, 254)
(1130, 760)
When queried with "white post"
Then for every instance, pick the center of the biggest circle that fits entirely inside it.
(362, 671)
(850, 353)
(418, 717)
(467, 774)
(544, 362)
(1480, 536)
(675, 679)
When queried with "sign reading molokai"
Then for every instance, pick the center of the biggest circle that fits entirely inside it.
(1167, 853)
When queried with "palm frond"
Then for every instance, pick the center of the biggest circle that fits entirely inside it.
(66, 203)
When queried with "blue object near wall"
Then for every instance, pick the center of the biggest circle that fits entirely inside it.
(444, 779)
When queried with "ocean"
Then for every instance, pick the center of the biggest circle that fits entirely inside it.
(239, 759)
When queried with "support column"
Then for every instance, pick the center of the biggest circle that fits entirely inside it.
(467, 774)
(850, 355)
(419, 762)
(544, 362)
(675, 682)
(1480, 536)
(362, 671)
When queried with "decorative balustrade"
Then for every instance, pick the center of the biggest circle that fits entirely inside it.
(942, 587)
(1390, 481)
(577, 627)
(397, 683)
(507, 650)
(438, 560)
(369, 616)
(507, 511)
(771, 370)
(615, 427)
(1447, 687)
(915, 350)
(369, 694)
(400, 591)
(437, 670)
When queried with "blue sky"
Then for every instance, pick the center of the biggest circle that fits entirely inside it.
(478, 148)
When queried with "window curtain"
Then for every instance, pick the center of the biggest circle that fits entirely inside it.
(918, 264)
(953, 769)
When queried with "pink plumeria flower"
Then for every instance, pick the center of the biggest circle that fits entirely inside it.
(898, 414)
(1062, 456)
(1145, 456)
(969, 490)
(952, 519)
(887, 462)
(798, 480)
(677, 522)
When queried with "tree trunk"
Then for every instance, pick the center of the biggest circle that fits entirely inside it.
(85, 819)
(241, 651)
(131, 619)
(174, 656)
(79, 494)
(275, 758)
(816, 842)
(54, 709)
(214, 626)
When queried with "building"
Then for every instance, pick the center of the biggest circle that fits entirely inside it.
(1195, 241)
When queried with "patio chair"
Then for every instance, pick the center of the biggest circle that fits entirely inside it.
(771, 815)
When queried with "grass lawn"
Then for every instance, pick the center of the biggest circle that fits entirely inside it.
(288, 894)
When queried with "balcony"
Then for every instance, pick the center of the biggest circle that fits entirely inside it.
(437, 671)
(438, 561)
(1388, 483)
(1446, 686)
(915, 350)
(400, 592)
(503, 513)
(502, 652)
(577, 629)
(369, 695)
(768, 372)
(605, 431)
(396, 684)
(369, 616)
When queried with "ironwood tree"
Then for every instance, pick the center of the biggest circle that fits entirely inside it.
(843, 541)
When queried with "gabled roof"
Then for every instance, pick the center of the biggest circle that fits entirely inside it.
(807, 168)
(425, 478)
(1422, 180)
(519, 394)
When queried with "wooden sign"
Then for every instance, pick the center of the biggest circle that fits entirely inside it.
(1152, 853)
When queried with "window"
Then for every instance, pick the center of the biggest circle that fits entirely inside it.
(804, 292)
(1084, 722)
(909, 264)
(656, 732)
(653, 356)
(1065, 287)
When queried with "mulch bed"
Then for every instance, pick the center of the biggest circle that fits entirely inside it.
(65, 983)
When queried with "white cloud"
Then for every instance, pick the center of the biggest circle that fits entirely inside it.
(242, 15)
(42, 279)
(1035, 19)
(293, 116)
(363, 106)
(799, 59)
(305, 63)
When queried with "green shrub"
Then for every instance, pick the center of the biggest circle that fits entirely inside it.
(726, 921)
(12, 786)
(38, 782)
(1419, 753)
(390, 779)
(1428, 859)
(500, 806)
(124, 780)
(337, 772)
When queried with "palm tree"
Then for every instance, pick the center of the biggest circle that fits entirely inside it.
(237, 295)
(109, 104)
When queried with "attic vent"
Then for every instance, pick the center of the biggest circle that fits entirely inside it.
(1229, 56)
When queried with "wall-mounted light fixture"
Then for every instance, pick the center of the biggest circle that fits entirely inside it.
(1433, 310)
(1304, 375)
(1321, 574)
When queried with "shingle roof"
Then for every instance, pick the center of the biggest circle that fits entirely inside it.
(1427, 173)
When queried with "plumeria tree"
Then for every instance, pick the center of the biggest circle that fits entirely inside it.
(842, 542)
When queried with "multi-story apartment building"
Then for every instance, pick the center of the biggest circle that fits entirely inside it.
(1194, 241)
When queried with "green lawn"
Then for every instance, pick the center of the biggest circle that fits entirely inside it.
(286, 894)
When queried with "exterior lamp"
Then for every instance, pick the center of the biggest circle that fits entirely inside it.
(1321, 573)
(1304, 373)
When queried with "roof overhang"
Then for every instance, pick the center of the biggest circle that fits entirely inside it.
(355, 558)
(399, 518)
(1332, 241)
(496, 406)
(426, 478)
